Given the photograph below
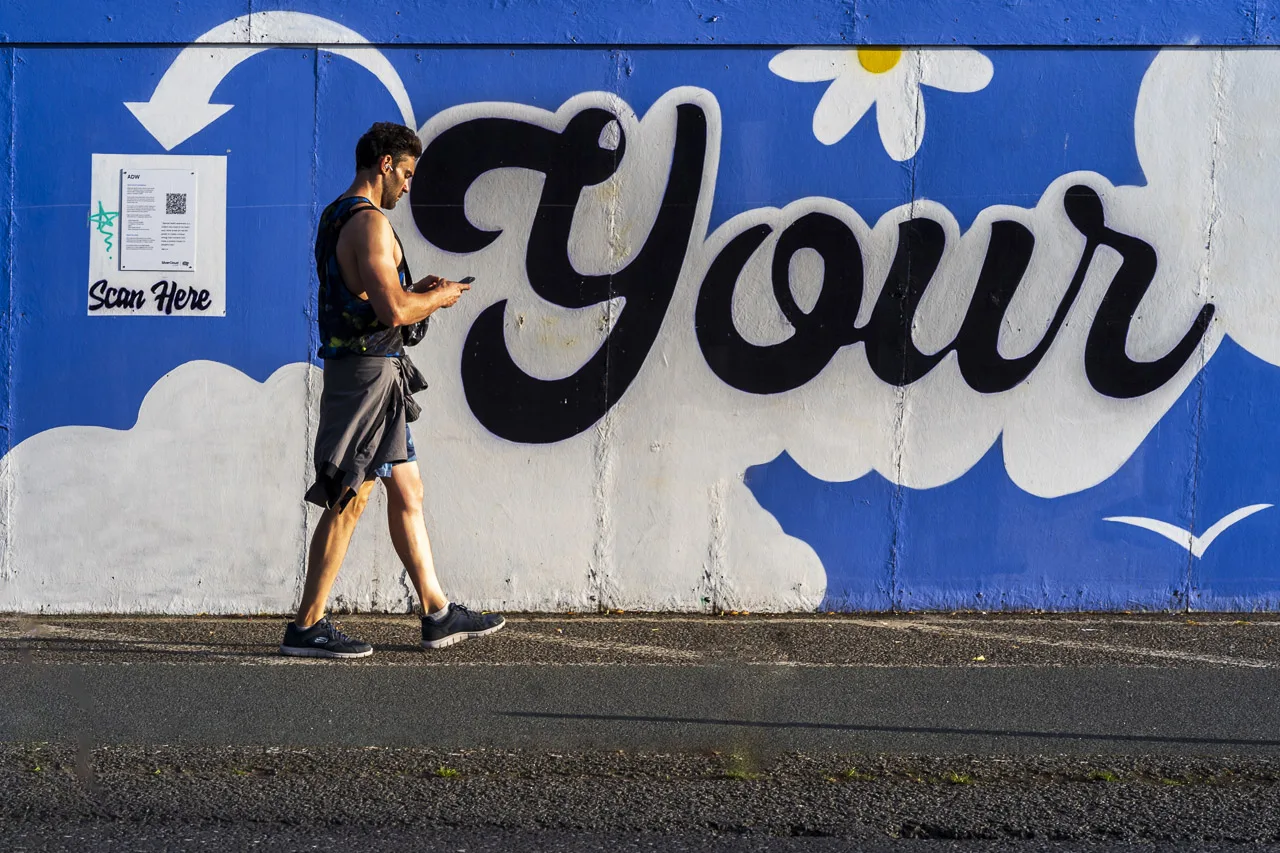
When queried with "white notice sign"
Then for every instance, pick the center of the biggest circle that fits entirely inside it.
(158, 219)
(145, 256)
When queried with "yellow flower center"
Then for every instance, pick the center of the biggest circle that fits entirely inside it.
(878, 60)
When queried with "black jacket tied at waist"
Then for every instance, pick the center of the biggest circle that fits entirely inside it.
(365, 405)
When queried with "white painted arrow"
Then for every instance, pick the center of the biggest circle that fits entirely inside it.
(180, 105)
(1197, 545)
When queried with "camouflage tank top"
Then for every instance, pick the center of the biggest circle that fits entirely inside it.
(348, 324)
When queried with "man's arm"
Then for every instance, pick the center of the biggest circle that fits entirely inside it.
(374, 246)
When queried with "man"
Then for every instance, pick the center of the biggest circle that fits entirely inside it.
(368, 304)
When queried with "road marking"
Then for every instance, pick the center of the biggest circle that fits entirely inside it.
(636, 654)
(1168, 620)
(608, 646)
(1023, 639)
(42, 631)
(382, 662)
(199, 653)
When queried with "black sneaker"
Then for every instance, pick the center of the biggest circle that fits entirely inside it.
(458, 624)
(322, 640)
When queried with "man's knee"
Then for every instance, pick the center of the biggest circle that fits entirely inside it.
(404, 492)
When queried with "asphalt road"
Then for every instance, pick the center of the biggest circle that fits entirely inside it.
(653, 708)
(114, 838)
(146, 797)
(1031, 685)
(638, 732)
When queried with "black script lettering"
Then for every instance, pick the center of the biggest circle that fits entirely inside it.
(978, 344)
(819, 334)
(890, 351)
(509, 402)
(831, 324)
(103, 296)
(1107, 365)
(171, 296)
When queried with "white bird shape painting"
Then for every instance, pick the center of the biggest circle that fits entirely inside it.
(1197, 545)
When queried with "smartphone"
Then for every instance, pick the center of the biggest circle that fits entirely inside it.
(467, 280)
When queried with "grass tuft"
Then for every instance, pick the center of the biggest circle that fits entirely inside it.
(739, 775)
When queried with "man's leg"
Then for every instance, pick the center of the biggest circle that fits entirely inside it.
(324, 558)
(451, 623)
(409, 534)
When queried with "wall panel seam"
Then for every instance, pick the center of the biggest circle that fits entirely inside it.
(1212, 215)
(7, 491)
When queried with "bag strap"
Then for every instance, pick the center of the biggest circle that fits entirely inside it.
(350, 212)
(404, 262)
(412, 334)
(328, 244)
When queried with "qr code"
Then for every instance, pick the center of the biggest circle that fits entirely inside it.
(175, 204)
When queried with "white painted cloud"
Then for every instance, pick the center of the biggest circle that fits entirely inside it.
(1210, 146)
(196, 508)
(192, 509)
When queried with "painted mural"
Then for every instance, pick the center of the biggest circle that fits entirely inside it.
(770, 328)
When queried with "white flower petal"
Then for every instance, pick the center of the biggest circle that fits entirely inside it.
(846, 101)
(810, 64)
(900, 118)
(960, 69)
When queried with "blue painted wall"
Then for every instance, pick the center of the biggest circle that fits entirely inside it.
(978, 540)
(677, 22)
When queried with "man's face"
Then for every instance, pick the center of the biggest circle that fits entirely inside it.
(395, 181)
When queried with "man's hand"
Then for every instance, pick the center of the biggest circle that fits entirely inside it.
(450, 292)
(372, 242)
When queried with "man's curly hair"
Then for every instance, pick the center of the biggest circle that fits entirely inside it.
(386, 137)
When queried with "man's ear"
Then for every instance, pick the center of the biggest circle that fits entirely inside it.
(386, 164)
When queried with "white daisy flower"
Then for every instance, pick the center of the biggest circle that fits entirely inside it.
(890, 78)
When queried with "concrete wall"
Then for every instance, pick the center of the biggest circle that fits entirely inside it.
(748, 332)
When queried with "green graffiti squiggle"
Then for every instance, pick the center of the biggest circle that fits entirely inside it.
(104, 220)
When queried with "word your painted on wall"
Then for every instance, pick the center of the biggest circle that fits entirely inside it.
(169, 296)
(592, 146)
(581, 155)
(890, 351)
